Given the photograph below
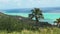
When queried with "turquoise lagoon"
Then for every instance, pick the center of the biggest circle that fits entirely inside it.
(49, 17)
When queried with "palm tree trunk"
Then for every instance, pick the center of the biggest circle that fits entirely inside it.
(36, 20)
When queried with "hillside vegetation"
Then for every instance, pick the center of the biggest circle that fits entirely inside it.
(13, 23)
(21, 25)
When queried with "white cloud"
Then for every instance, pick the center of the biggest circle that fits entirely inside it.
(4, 1)
(28, 3)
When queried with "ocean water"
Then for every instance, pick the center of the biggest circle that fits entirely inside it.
(48, 17)
(50, 13)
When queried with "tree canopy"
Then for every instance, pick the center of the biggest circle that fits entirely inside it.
(36, 13)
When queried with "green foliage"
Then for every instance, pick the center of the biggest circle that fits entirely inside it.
(36, 13)
(12, 23)
(58, 22)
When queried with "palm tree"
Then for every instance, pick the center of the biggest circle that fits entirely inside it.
(37, 14)
(58, 22)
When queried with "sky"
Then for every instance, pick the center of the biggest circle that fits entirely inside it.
(12, 4)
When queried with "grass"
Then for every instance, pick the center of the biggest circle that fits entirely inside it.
(42, 31)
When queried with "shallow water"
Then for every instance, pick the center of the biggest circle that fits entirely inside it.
(50, 17)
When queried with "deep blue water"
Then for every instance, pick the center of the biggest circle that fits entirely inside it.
(28, 10)
(50, 14)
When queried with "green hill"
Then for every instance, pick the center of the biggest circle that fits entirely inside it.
(12, 23)
(18, 23)
(22, 25)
